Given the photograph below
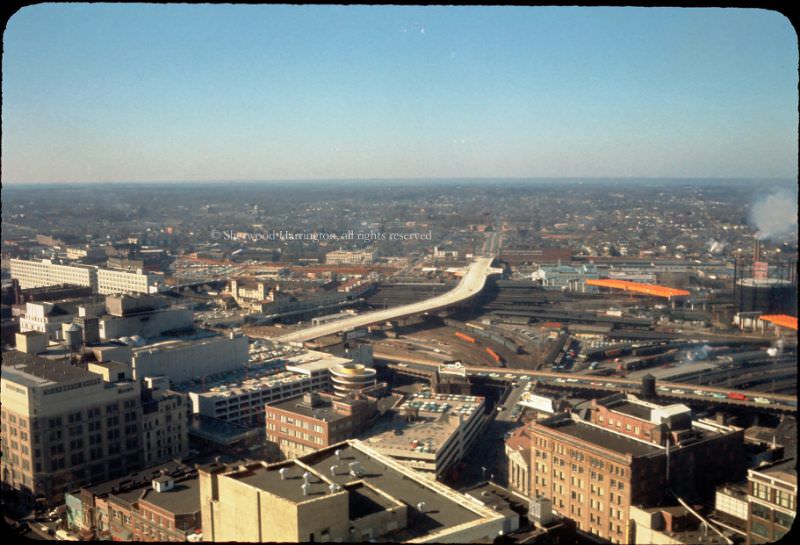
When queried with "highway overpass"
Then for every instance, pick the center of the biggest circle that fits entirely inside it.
(471, 284)
(768, 401)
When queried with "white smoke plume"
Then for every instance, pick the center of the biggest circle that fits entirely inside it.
(775, 215)
(715, 246)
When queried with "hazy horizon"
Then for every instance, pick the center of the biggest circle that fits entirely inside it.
(105, 93)
(532, 180)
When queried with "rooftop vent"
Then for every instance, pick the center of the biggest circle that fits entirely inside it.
(421, 506)
(163, 483)
(282, 471)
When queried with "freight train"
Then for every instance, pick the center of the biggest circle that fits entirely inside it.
(648, 361)
(495, 356)
(464, 337)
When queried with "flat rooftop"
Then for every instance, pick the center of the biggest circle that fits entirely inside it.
(410, 488)
(601, 437)
(182, 498)
(365, 500)
(437, 419)
(263, 371)
(35, 371)
(498, 498)
(242, 381)
(324, 409)
(139, 479)
(196, 337)
(636, 410)
(785, 470)
(261, 351)
(313, 360)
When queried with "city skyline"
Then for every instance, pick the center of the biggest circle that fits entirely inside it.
(113, 93)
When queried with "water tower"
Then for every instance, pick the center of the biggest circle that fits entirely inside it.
(760, 286)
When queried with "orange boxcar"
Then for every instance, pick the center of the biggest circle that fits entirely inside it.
(464, 337)
(494, 355)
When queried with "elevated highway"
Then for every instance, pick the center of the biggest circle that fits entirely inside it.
(471, 284)
(765, 401)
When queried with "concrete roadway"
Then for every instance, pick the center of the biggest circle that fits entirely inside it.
(470, 285)
(677, 390)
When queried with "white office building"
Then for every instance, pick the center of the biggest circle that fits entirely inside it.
(37, 274)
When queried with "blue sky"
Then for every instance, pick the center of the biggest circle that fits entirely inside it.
(103, 92)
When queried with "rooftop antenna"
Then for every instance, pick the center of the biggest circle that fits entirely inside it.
(306, 477)
(304, 487)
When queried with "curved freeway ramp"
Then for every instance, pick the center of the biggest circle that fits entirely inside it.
(470, 285)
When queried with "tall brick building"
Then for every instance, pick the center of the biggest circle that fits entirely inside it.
(65, 426)
(595, 469)
(771, 501)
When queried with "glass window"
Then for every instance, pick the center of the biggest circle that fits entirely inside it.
(759, 528)
(760, 491)
(784, 499)
(783, 520)
(759, 510)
